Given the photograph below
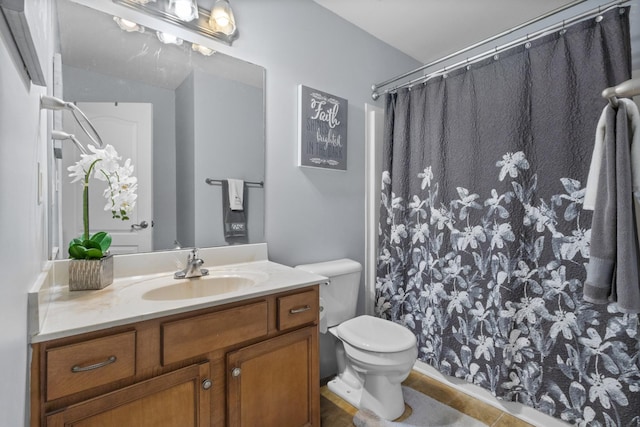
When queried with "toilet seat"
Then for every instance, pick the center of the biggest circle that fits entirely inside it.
(381, 361)
(374, 334)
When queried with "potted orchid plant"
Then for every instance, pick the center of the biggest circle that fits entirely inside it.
(102, 164)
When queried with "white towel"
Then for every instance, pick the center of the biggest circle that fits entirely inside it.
(236, 193)
(594, 170)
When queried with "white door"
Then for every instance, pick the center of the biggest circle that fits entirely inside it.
(128, 128)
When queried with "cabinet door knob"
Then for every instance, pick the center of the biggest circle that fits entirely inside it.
(236, 372)
(206, 384)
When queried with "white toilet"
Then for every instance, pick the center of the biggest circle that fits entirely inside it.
(374, 355)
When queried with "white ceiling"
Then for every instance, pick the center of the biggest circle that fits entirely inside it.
(430, 29)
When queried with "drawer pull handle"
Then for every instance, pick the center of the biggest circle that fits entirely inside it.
(300, 309)
(78, 368)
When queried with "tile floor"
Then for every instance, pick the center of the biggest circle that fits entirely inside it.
(335, 412)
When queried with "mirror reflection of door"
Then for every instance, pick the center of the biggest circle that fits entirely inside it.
(127, 127)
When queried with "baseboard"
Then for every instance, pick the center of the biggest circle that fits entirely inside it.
(518, 410)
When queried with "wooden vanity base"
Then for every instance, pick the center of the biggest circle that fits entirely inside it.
(248, 363)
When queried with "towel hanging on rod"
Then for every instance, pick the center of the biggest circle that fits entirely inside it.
(626, 89)
(212, 181)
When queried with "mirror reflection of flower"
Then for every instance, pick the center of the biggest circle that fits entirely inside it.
(104, 165)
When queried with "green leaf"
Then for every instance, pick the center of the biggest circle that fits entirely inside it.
(103, 239)
(90, 244)
(94, 253)
(76, 241)
(77, 251)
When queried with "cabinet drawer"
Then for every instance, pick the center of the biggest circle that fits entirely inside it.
(298, 309)
(77, 367)
(173, 399)
(183, 339)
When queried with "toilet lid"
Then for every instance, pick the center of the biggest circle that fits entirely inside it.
(375, 334)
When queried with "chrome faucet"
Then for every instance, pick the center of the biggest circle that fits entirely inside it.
(193, 268)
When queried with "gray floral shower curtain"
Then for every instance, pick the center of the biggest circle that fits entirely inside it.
(483, 242)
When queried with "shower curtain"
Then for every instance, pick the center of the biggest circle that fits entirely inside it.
(482, 239)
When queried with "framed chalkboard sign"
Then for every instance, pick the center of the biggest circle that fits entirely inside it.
(322, 129)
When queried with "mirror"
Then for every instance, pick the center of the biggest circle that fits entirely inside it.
(183, 117)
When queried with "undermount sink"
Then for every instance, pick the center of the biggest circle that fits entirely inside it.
(215, 283)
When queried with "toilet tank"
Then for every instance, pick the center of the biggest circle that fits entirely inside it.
(340, 296)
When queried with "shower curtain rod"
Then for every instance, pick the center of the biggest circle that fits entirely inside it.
(603, 8)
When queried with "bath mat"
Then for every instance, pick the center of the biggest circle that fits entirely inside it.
(426, 412)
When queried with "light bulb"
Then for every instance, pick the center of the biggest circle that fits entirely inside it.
(128, 26)
(222, 20)
(167, 38)
(202, 49)
(186, 10)
(183, 10)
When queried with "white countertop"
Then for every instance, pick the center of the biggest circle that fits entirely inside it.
(127, 300)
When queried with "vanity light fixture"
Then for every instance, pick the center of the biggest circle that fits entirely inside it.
(221, 18)
(167, 38)
(221, 28)
(186, 10)
(128, 26)
(202, 49)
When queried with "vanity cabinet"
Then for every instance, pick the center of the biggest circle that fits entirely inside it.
(176, 399)
(247, 363)
(270, 383)
(80, 366)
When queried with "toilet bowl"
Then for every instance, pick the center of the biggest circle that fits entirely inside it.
(374, 357)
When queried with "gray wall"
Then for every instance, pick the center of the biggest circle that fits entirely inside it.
(24, 144)
(312, 214)
(84, 85)
(185, 152)
(229, 144)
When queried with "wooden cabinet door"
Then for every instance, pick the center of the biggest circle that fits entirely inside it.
(275, 383)
(176, 399)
